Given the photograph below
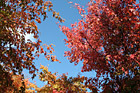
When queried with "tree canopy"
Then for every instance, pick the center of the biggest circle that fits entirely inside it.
(17, 19)
(107, 40)
(58, 83)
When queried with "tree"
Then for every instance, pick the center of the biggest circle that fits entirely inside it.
(57, 83)
(18, 18)
(107, 40)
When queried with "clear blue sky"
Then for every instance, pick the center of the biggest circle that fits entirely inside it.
(51, 34)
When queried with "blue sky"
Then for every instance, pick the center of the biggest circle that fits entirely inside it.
(51, 34)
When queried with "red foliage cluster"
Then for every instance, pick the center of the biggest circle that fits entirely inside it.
(18, 18)
(107, 40)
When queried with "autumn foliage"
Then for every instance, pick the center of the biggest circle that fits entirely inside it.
(57, 83)
(107, 40)
(17, 19)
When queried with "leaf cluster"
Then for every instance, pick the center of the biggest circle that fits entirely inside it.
(107, 40)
